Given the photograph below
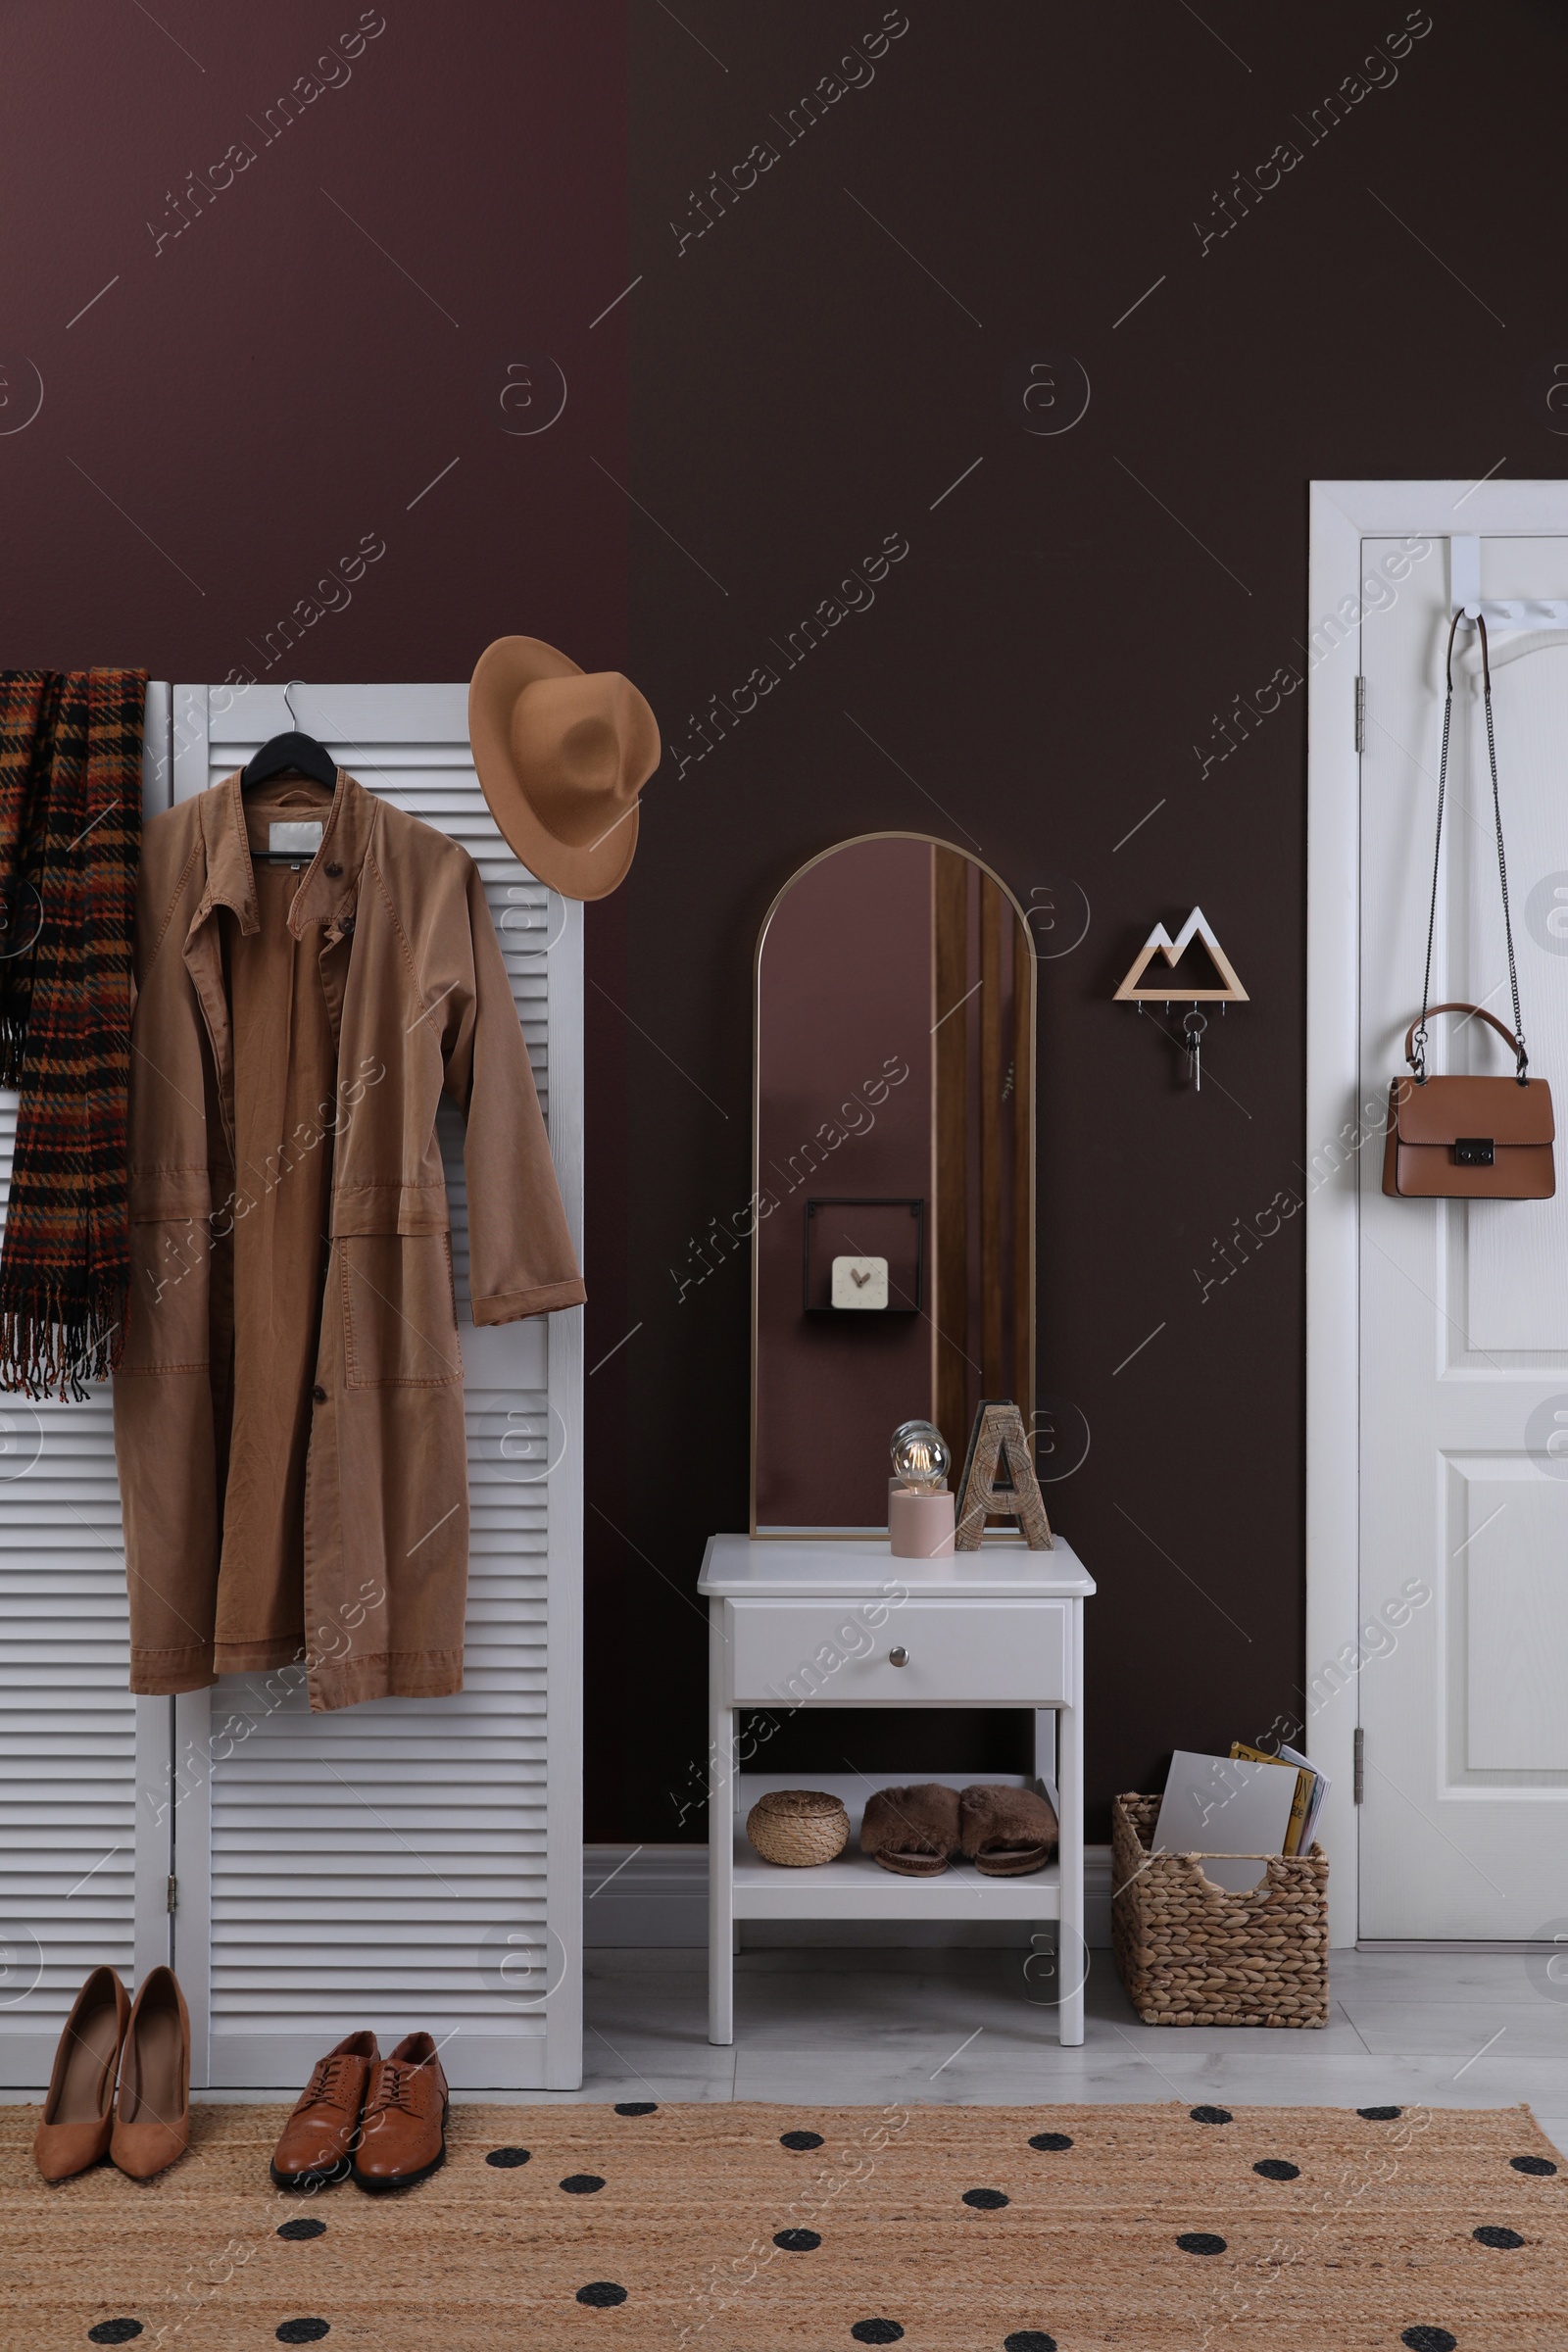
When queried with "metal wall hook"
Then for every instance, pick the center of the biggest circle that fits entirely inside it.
(1501, 614)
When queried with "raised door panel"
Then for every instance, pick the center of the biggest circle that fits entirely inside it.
(1508, 1696)
(1516, 1267)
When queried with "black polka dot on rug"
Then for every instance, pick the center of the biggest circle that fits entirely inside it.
(1200, 2241)
(877, 2332)
(1029, 2339)
(602, 2294)
(1380, 2115)
(508, 2158)
(986, 2200)
(1490, 2235)
(304, 2225)
(303, 2332)
(581, 2184)
(1275, 2167)
(1540, 2166)
(1212, 2115)
(1050, 2143)
(1429, 2339)
(800, 2139)
(797, 2242)
(113, 2331)
(636, 2106)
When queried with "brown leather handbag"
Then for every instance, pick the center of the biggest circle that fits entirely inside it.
(1469, 1138)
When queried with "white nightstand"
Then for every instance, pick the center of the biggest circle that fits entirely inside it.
(835, 1624)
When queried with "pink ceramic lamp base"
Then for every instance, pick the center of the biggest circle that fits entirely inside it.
(920, 1523)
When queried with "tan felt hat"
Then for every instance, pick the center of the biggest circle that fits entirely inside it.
(561, 755)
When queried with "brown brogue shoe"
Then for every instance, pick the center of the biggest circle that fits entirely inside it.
(403, 2132)
(152, 2113)
(316, 2143)
(79, 2114)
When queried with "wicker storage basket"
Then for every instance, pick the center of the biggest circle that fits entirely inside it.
(798, 1827)
(1190, 1954)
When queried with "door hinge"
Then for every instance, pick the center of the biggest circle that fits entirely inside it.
(1360, 715)
(173, 1893)
(1358, 1784)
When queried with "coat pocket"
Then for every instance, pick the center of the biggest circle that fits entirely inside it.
(399, 1317)
(165, 1308)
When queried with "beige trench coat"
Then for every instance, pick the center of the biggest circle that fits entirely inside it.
(420, 1005)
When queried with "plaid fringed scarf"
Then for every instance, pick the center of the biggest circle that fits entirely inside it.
(69, 833)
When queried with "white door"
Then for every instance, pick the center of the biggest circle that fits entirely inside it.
(1462, 1660)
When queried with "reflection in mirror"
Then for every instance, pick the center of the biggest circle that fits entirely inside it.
(893, 1235)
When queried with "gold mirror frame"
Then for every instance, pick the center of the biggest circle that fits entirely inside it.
(1025, 1083)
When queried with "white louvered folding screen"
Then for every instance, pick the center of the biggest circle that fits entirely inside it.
(83, 1861)
(415, 1863)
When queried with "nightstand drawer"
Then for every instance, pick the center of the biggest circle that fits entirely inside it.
(840, 1653)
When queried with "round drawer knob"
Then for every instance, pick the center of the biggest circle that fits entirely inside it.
(898, 1657)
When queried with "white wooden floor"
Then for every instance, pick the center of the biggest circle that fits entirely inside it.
(848, 2027)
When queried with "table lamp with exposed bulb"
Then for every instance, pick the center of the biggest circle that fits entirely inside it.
(920, 1522)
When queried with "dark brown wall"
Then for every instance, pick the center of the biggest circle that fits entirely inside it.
(262, 387)
(1048, 664)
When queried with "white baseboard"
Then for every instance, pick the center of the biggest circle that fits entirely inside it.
(658, 1895)
(645, 1894)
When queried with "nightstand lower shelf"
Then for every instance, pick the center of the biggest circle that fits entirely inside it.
(853, 1887)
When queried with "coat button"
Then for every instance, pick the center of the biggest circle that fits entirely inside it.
(333, 871)
(319, 1394)
(346, 927)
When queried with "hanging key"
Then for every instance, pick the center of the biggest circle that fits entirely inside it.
(1192, 1027)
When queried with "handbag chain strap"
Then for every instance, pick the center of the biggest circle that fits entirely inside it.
(1418, 1059)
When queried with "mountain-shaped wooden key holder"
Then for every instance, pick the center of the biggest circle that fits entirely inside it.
(1137, 989)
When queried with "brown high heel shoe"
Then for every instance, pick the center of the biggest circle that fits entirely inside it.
(79, 2113)
(151, 2114)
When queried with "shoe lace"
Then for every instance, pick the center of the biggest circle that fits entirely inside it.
(325, 2086)
(394, 2087)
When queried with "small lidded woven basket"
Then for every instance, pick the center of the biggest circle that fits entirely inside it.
(798, 1827)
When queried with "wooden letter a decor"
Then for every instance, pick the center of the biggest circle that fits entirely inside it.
(999, 1480)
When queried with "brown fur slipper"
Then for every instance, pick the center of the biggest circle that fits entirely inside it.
(912, 1830)
(1006, 1832)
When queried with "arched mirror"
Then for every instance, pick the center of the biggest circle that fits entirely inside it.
(892, 1242)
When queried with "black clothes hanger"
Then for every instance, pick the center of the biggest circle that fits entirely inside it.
(291, 753)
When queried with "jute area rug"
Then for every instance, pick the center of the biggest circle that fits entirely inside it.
(752, 2229)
